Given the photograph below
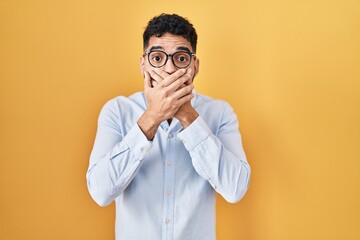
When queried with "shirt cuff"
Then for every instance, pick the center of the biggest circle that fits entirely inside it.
(197, 132)
(137, 142)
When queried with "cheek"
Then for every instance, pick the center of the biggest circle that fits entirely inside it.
(192, 76)
(147, 65)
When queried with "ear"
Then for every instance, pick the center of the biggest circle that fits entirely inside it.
(142, 65)
(196, 66)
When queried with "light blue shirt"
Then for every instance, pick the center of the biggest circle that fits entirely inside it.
(166, 188)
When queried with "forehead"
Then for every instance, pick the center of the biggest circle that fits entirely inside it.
(169, 42)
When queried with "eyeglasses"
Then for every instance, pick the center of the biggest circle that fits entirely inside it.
(180, 59)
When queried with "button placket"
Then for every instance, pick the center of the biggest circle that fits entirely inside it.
(169, 186)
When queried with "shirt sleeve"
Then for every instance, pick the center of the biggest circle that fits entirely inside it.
(220, 158)
(115, 158)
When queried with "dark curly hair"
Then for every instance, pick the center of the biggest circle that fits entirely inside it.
(170, 23)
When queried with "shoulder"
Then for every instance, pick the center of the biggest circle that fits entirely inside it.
(122, 106)
(209, 103)
(123, 102)
(217, 113)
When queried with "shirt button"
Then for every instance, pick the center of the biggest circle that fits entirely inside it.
(168, 193)
(144, 150)
(170, 135)
(169, 163)
(167, 221)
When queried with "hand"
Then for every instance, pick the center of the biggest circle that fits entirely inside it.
(158, 75)
(168, 93)
(164, 97)
(186, 114)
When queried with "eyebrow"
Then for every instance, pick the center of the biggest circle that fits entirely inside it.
(161, 48)
(156, 48)
(184, 49)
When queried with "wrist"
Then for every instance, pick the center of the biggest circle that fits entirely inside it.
(187, 119)
(148, 124)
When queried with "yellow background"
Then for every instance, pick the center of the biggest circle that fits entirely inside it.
(290, 69)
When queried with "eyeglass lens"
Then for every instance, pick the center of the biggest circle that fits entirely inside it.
(180, 59)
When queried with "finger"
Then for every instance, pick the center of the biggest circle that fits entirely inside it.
(182, 86)
(190, 78)
(176, 84)
(161, 73)
(173, 77)
(183, 91)
(186, 99)
(156, 77)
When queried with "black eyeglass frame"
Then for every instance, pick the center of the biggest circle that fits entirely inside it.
(147, 53)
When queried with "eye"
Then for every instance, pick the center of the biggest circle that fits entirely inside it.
(156, 58)
(182, 58)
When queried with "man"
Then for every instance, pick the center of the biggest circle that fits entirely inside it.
(162, 154)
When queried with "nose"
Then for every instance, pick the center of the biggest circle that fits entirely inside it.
(169, 67)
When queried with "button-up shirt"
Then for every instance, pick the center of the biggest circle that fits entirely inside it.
(166, 188)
